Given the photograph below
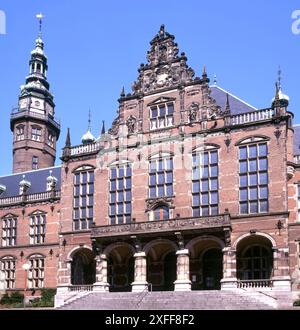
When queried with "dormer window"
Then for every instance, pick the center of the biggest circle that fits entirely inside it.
(161, 116)
(36, 133)
(2, 189)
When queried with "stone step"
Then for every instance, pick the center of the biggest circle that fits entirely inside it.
(170, 300)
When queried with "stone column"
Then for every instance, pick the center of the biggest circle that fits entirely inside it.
(281, 278)
(140, 272)
(101, 284)
(183, 282)
(229, 280)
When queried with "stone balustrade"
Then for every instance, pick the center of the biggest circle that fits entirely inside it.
(30, 198)
(254, 284)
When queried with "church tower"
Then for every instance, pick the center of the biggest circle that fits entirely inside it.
(35, 130)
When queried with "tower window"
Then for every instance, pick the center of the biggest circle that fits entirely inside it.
(253, 174)
(9, 231)
(38, 68)
(161, 116)
(120, 194)
(83, 200)
(35, 162)
(37, 228)
(36, 133)
(20, 133)
(50, 139)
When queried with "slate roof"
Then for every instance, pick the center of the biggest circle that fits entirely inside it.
(236, 105)
(37, 178)
(296, 140)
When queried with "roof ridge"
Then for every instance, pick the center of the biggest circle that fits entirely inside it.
(32, 171)
(232, 95)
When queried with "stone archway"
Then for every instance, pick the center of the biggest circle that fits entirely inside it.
(161, 264)
(206, 262)
(254, 258)
(83, 267)
(120, 267)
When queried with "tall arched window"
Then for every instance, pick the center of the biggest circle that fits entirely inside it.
(253, 175)
(83, 198)
(37, 230)
(205, 182)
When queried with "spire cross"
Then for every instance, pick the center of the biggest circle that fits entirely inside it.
(89, 121)
(40, 18)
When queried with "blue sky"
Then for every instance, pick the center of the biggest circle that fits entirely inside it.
(95, 47)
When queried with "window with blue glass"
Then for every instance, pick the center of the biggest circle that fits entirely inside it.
(120, 207)
(253, 177)
(205, 183)
(161, 213)
(83, 200)
(161, 177)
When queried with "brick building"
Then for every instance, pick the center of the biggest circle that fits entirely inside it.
(190, 189)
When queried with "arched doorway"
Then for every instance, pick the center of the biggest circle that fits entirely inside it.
(206, 262)
(170, 270)
(254, 259)
(120, 267)
(83, 267)
(161, 264)
(212, 269)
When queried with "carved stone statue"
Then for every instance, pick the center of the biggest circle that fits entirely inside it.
(131, 123)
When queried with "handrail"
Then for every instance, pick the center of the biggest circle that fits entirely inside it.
(143, 294)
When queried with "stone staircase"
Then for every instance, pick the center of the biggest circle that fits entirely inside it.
(170, 300)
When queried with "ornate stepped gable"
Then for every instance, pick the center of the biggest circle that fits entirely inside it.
(167, 70)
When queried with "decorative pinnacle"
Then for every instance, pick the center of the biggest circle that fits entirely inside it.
(103, 127)
(204, 71)
(123, 92)
(227, 107)
(68, 139)
(40, 18)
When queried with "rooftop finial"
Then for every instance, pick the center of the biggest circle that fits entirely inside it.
(40, 18)
(279, 77)
(89, 121)
(215, 80)
(162, 30)
(204, 71)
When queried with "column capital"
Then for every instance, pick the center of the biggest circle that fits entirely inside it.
(139, 254)
(183, 251)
